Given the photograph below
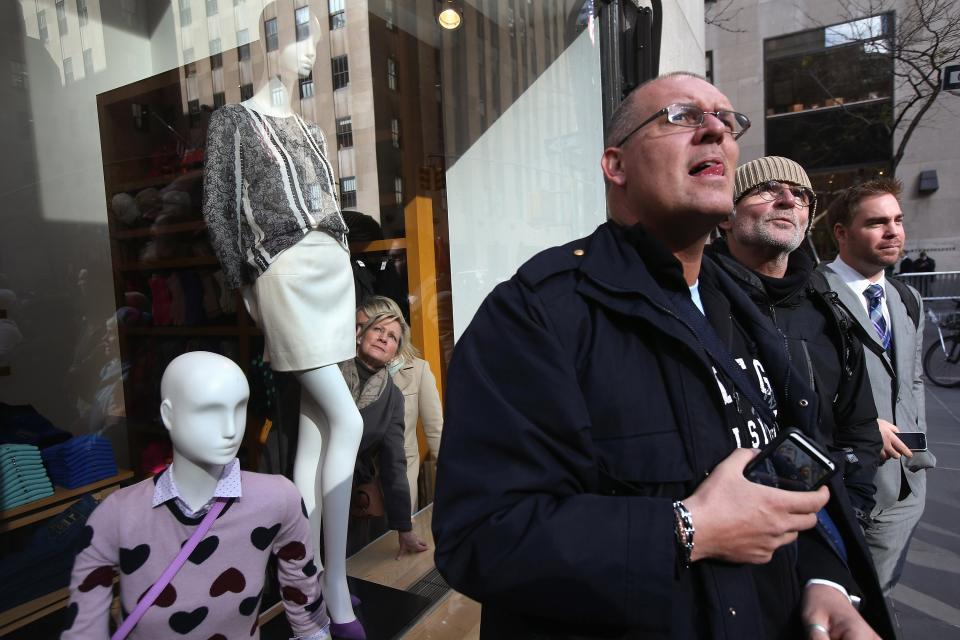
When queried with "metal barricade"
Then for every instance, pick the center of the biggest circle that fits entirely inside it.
(937, 285)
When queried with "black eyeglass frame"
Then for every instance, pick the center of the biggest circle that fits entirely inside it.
(739, 117)
(764, 193)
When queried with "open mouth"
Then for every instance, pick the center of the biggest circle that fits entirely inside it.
(708, 168)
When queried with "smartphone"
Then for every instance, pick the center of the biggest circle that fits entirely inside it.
(791, 461)
(916, 440)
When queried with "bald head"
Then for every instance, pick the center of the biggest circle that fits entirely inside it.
(626, 116)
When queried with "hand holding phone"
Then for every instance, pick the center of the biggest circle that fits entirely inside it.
(793, 462)
(915, 440)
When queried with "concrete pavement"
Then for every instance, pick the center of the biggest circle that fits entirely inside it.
(927, 601)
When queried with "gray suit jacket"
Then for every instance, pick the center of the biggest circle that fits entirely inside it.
(897, 385)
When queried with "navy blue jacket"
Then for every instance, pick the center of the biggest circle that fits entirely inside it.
(578, 408)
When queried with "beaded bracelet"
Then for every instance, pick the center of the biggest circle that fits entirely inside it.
(685, 531)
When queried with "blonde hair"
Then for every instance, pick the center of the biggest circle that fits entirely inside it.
(379, 309)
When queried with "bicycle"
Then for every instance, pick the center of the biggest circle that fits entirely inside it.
(941, 362)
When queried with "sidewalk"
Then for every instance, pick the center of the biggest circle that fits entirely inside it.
(927, 600)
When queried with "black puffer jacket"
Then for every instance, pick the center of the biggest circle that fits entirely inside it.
(848, 415)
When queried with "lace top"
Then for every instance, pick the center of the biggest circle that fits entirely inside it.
(267, 183)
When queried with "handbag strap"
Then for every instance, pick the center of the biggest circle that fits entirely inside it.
(131, 621)
(705, 334)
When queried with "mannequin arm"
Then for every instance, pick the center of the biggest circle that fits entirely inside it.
(221, 196)
(91, 582)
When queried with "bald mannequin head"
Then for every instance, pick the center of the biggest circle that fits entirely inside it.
(204, 407)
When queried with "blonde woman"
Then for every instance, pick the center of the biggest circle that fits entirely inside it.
(415, 379)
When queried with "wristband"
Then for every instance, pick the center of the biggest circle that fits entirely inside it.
(684, 531)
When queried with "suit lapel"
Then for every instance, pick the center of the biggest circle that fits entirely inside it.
(857, 310)
(902, 337)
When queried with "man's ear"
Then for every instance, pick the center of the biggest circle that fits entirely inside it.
(727, 224)
(166, 413)
(839, 234)
(612, 165)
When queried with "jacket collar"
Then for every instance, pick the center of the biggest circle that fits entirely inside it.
(371, 391)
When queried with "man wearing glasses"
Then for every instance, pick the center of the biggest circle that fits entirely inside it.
(590, 483)
(774, 205)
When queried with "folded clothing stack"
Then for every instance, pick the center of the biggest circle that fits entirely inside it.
(22, 476)
(80, 461)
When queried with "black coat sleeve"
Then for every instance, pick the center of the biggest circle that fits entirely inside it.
(393, 464)
(855, 417)
(518, 522)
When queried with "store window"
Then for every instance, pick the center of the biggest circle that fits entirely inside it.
(344, 132)
(338, 17)
(106, 262)
(341, 72)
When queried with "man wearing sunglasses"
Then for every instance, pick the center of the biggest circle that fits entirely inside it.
(590, 482)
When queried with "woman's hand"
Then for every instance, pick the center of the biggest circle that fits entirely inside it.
(410, 543)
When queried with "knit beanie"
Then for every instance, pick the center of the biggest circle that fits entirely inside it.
(769, 168)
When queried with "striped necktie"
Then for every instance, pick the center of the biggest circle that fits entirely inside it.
(874, 296)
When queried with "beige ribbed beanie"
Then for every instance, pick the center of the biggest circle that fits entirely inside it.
(776, 168)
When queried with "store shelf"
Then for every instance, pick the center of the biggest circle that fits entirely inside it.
(172, 263)
(159, 230)
(196, 330)
(62, 498)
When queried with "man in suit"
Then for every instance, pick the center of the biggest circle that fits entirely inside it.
(867, 223)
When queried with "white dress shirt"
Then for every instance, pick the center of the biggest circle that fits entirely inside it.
(858, 283)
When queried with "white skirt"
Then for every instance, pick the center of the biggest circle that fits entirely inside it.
(307, 305)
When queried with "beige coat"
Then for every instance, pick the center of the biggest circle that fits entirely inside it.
(421, 400)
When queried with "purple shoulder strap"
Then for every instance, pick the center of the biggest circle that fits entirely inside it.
(131, 621)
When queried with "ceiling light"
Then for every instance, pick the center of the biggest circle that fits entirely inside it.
(449, 17)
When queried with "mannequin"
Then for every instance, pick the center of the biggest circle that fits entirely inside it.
(136, 531)
(276, 226)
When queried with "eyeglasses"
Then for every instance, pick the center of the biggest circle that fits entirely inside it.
(772, 191)
(688, 115)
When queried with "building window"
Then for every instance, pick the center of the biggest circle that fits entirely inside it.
(186, 14)
(398, 189)
(62, 18)
(273, 35)
(212, 7)
(338, 17)
(246, 91)
(216, 57)
(829, 94)
(82, 14)
(348, 192)
(188, 55)
(18, 71)
(390, 14)
(392, 74)
(395, 132)
(302, 19)
(216, 76)
(68, 71)
(42, 25)
(306, 87)
(87, 63)
(344, 132)
(219, 99)
(243, 44)
(278, 95)
(341, 72)
(708, 73)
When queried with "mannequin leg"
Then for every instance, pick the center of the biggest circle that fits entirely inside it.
(330, 432)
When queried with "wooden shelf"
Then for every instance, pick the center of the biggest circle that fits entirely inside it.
(62, 498)
(172, 263)
(165, 229)
(378, 245)
(195, 330)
